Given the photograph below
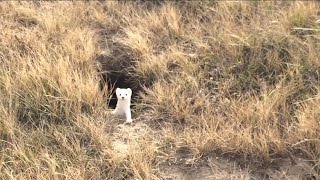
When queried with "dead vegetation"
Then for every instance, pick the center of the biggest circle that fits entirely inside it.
(223, 90)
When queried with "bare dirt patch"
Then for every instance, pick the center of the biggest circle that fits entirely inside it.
(220, 167)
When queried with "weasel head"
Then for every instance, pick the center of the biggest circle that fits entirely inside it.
(124, 94)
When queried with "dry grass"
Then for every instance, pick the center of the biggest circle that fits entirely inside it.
(228, 89)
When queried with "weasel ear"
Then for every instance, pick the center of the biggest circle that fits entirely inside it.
(117, 90)
(129, 90)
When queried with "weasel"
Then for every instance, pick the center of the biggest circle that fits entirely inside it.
(123, 104)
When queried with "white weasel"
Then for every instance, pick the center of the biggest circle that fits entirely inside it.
(123, 104)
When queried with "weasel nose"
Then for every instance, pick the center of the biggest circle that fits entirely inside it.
(122, 97)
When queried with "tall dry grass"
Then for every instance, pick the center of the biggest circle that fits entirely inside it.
(214, 78)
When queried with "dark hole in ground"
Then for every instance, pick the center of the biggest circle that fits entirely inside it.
(116, 72)
(118, 80)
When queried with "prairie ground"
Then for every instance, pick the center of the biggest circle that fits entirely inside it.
(222, 90)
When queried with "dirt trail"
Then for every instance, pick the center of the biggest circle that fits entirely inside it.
(126, 133)
(219, 168)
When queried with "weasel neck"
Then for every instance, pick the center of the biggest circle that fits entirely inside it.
(123, 103)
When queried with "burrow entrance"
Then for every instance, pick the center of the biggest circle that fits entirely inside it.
(116, 71)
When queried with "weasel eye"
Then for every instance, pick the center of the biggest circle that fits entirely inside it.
(126, 94)
(120, 94)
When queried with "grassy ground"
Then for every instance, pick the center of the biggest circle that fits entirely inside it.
(222, 90)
